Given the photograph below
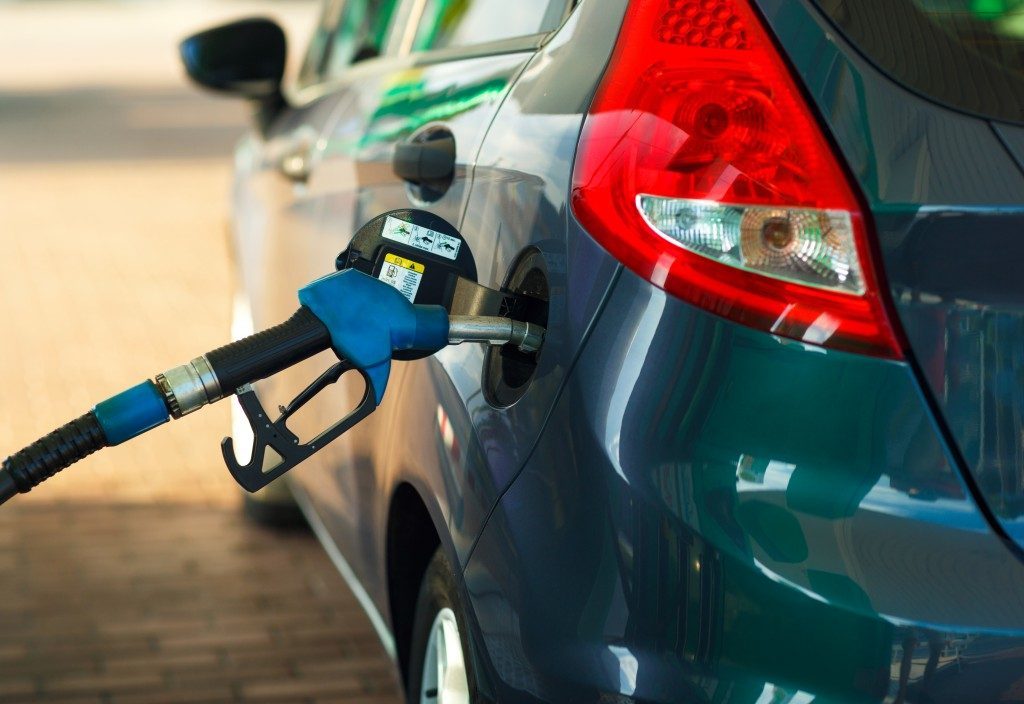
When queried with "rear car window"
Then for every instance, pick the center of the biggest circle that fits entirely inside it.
(967, 54)
(453, 23)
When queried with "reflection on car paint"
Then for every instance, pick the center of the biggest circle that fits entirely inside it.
(410, 103)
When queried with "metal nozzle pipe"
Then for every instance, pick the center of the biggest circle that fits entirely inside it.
(495, 330)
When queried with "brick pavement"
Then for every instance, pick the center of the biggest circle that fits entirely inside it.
(132, 577)
(124, 603)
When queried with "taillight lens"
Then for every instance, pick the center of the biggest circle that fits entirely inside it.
(702, 169)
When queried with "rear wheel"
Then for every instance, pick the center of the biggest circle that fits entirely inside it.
(440, 667)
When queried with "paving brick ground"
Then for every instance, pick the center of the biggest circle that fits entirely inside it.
(165, 603)
(132, 577)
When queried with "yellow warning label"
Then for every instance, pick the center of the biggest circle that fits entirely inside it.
(402, 274)
(404, 263)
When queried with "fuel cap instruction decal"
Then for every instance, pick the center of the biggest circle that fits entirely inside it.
(421, 238)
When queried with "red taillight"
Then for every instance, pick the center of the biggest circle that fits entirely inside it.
(702, 169)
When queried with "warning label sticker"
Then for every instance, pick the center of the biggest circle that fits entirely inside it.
(403, 274)
(421, 238)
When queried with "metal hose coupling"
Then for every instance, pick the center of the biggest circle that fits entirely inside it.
(495, 330)
(189, 387)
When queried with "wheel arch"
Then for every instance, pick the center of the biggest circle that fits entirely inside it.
(412, 538)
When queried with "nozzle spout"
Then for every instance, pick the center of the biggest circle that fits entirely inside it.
(495, 330)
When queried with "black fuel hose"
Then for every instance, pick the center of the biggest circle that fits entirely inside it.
(50, 454)
(245, 361)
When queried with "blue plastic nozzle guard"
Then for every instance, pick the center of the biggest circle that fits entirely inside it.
(369, 321)
(131, 412)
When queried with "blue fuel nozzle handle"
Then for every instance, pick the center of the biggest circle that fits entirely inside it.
(365, 322)
(368, 321)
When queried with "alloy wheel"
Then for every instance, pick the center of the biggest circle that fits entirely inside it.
(444, 667)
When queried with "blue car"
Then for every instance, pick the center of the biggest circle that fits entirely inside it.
(772, 448)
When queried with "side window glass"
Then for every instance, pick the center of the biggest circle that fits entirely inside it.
(454, 23)
(349, 31)
(360, 34)
(319, 43)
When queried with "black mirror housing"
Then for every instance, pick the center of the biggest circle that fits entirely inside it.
(245, 58)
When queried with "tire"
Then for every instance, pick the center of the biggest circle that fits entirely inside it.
(439, 610)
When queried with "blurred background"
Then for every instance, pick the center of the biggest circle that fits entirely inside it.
(132, 576)
(114, 183)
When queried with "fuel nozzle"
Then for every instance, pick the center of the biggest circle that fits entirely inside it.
(415, 297)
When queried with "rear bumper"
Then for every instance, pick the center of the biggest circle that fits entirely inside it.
(715, 514)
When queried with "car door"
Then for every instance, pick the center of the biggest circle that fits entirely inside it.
(450, 67)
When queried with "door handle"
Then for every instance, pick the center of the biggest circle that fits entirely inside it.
(426, 159)
(296, 162)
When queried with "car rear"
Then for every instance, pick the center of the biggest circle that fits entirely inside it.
(786, 466)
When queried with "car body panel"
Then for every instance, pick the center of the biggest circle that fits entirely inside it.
(270, 211)
(713, 513)
(1013, 138)
(520, 197)
(947, 200)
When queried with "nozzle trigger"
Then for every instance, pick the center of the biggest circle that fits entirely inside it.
(274, 434)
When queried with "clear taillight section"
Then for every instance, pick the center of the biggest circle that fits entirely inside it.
(803, 245)
(702, 168)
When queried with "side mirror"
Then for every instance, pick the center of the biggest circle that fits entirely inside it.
(244, 58)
